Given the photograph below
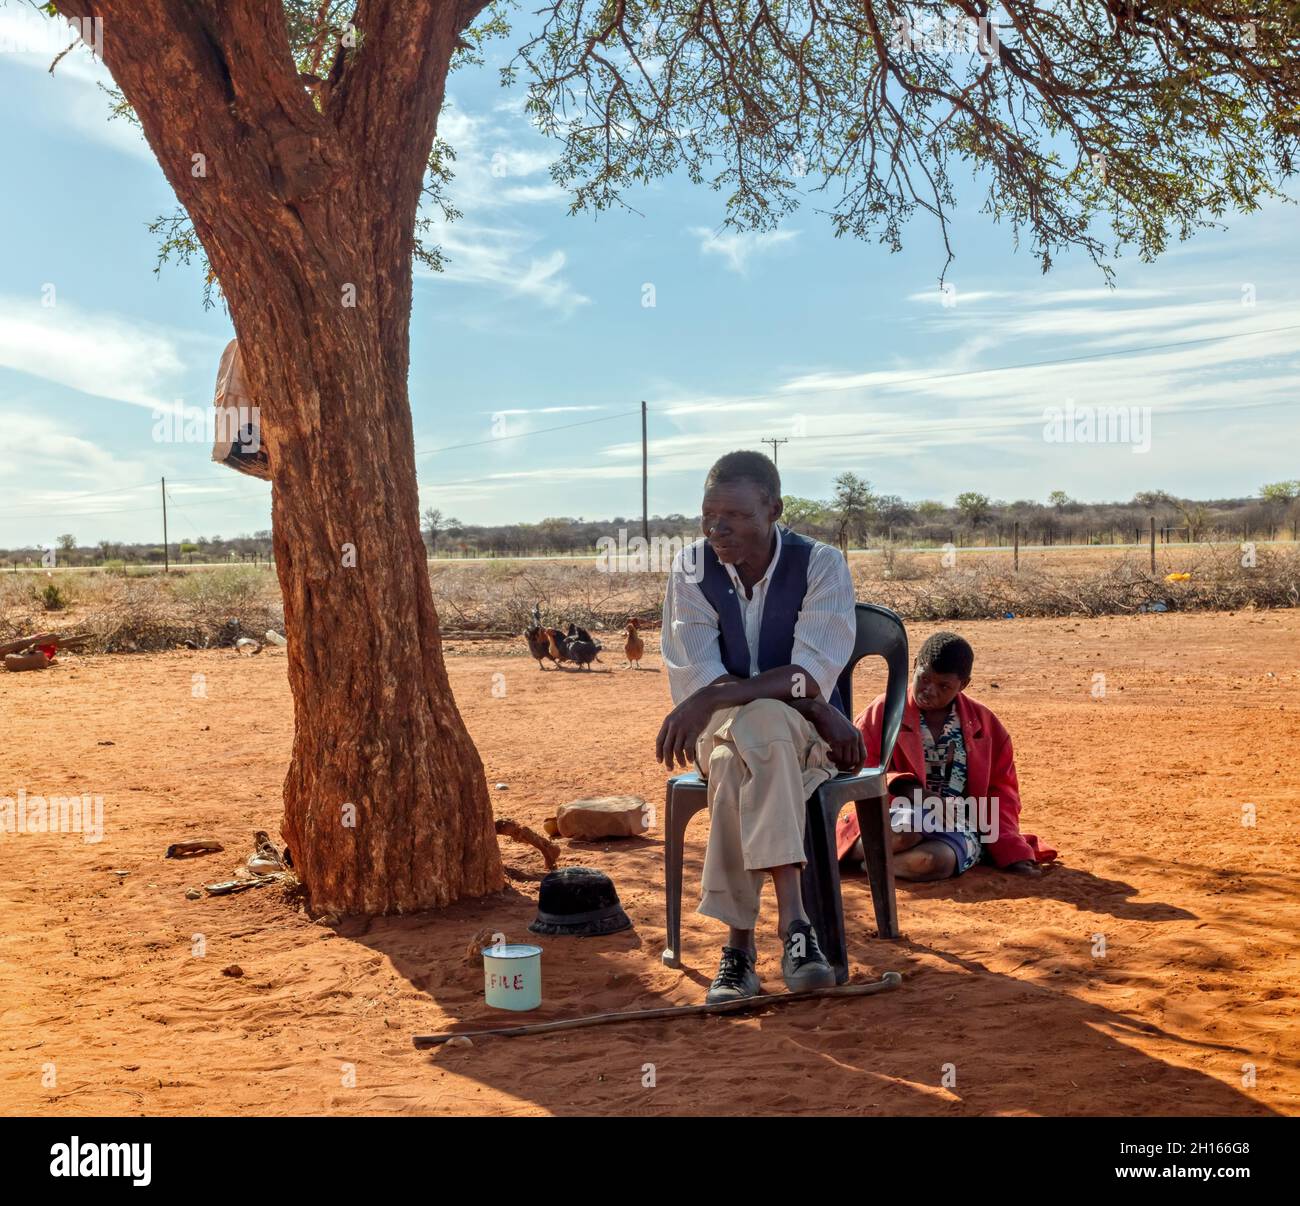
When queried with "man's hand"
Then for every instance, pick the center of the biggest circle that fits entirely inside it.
(848, 750)
(682, 727)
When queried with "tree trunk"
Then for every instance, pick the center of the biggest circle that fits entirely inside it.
(386, 808)
(307, 217)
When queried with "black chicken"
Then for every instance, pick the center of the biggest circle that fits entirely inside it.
(580, 648)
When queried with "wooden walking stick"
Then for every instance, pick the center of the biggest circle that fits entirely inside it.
(891, 979)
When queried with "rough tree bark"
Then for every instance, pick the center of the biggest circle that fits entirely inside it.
(307, 217)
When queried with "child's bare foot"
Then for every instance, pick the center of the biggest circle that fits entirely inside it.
(1024, 867)
(925, 861)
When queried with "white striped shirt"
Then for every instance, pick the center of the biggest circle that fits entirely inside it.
(823, 634)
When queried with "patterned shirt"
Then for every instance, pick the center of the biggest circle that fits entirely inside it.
(945, 759)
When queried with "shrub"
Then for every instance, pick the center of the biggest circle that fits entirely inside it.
(52, 598)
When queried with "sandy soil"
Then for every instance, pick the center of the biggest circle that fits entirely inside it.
(107, 1009)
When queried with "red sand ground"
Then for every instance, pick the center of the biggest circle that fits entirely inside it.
(1141, 791)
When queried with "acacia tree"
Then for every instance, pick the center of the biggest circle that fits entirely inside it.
(974, 507)
(854, 507)
(299, 137)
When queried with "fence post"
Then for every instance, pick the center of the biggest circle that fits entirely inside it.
(1153, 544)
(1016, 537)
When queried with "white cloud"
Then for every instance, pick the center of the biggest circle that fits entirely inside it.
(52, 455)
(737, 248)
(74, 95)
(490, 163)
(527, 194)
(541, 410)
(99, 354)
(489, 247)
(501, 257)
(959, 297)
(954, 400)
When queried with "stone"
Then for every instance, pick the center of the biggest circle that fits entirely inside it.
(603, 817)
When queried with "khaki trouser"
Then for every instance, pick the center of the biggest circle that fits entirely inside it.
(762, 761)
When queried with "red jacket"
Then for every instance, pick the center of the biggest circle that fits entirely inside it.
(990, 771)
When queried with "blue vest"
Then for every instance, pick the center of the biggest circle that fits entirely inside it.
(781, 609)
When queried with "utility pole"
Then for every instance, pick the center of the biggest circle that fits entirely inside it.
(167, 566)
(774, 444)
(645, 480)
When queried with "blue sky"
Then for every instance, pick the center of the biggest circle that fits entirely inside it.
(845, 349)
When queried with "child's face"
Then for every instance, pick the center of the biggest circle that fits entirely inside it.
(933, 690)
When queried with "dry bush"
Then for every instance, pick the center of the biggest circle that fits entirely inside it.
(147, 613)
(899, 566)
(212, 607)
(990, 588)
(500, 596)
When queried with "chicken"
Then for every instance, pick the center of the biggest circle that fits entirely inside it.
(555, 645)
(539, 645)
(579, 646)
(634, 646)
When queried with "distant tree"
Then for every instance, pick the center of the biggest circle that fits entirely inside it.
(930, 510)
(854, 507)
(1282, 500)
(804, 513)
(1279, 492)
(433, 525)
(1059, 499)
(1150, 499)
(894, 511)
(1195, 516)
(67, 543)
(974, 507)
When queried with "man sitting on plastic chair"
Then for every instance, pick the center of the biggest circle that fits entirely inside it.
(758, 624)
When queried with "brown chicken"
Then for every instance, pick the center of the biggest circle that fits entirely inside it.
(539, 645)
(555, 646)
(634, 646)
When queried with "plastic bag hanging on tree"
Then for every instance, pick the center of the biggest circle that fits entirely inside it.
(238, 441)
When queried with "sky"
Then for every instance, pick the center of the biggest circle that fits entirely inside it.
(850, 353)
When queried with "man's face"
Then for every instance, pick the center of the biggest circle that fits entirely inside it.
(737, 519)
(933, 690)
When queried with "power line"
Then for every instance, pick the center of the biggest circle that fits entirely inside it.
(519, 435)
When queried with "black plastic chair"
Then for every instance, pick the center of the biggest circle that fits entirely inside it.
(880, 633)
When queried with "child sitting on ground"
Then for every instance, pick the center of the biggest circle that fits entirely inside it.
(954, 797)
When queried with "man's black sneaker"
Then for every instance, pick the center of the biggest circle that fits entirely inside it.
(736, 978)
(803, 965)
